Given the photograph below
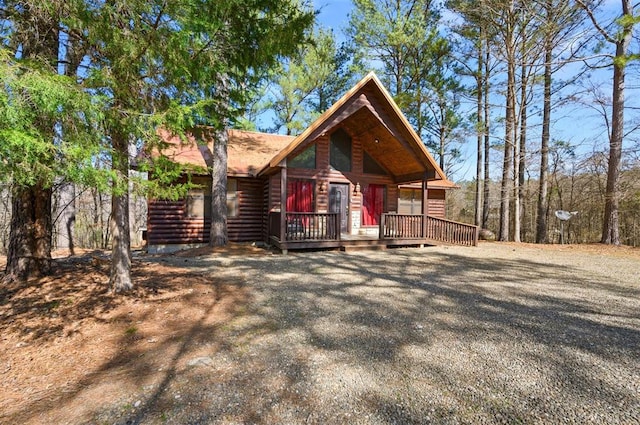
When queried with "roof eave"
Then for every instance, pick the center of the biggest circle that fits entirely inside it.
(428, 161)
(275, 161)
(439, 174)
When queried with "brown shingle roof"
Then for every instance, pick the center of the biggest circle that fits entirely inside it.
(252, 154)
(247, 151)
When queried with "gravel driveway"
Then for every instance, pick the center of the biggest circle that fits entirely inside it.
(447, 335)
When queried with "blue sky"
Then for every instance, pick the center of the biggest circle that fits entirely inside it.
(334, 14)
(576, 124)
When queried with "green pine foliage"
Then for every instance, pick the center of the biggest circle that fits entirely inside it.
(403, 41)
(307, 84)
(145, 65)
(133, 67)
(49, 126)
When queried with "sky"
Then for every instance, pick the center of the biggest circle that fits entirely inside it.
(579, 125)
(334, 14)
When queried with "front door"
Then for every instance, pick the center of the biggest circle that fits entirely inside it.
(339, 202)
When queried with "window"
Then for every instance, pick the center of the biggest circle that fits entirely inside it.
(232, 197)
(340, 151)
(300, 195)
(410, 201)
(199, 200)
(373, 199)
(306, 159)
(199, 203)
(371, 166)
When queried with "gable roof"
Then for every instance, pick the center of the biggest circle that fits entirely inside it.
(367, 110)
(355, 104)
(247, 151)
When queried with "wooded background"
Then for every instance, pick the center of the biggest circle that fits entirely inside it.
(540, 98)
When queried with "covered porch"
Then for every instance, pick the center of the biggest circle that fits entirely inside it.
(303, 230)
(342, 181)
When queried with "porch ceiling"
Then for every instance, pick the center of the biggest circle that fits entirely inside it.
(387, 146)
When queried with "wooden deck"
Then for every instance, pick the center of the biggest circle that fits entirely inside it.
(319, 231)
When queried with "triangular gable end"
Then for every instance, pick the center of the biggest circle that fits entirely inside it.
(348, 106)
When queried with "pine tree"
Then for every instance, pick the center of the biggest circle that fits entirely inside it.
(621, 40)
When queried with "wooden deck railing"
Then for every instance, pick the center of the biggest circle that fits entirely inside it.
(408, 226)
(301, 226)
(452, 232)
(401, 226)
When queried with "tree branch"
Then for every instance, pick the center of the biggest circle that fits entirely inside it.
(598, 27)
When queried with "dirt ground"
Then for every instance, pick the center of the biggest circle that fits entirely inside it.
(72, 352)
(68, 345)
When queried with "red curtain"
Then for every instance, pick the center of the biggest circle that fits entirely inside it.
(372, 204)
(299, 196)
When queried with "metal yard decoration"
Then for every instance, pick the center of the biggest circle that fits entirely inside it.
(564, 216)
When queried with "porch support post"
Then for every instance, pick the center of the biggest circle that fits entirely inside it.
(425, 207)
(283, 200)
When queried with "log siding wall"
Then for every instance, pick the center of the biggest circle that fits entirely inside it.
(328, 175)
(167, 221)
(436, 205)
(366, 118)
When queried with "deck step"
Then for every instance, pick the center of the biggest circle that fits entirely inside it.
(363, 247)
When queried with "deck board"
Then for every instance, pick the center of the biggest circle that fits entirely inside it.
(350, 243)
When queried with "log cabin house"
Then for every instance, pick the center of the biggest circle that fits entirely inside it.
(359, 175)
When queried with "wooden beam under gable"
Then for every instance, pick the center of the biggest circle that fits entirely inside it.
(318, 122)
(395, 122)
(382, 119)
(341, 115)
(359, 97)
(416, 143)
(414, 177)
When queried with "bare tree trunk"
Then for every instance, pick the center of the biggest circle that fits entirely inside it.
(611, 221)
(442, 142)
(543, 198)
(622, 40)
(120, 279)
(516, 184)
(521, 169)
(66, 215)
(29, 252)
(507, 163)
(479, 134)
(218, 233)
(487, 139)
(20, 261)
(519, 158)
(43, 230)
(97, 223)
